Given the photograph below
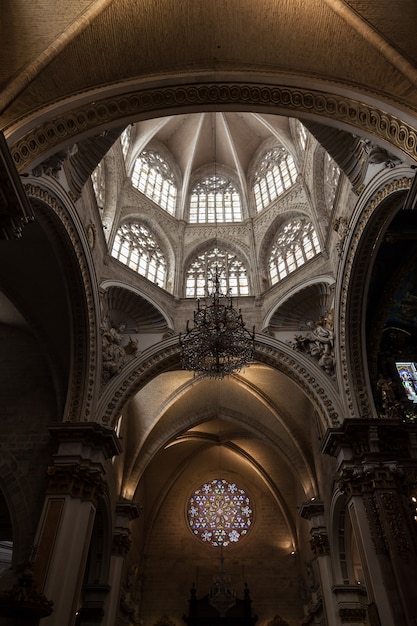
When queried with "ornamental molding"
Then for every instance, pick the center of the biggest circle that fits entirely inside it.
(353, 374)
(315, 384)
(196, 240)
(81, 392)
(64, 128)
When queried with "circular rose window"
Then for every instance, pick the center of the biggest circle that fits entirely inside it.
(219, 513)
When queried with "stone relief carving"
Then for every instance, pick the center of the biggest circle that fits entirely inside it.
(117, 351)
(318, 342)
(340, 225)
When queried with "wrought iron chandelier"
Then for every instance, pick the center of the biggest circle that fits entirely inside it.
(218, 344)
(221, 596)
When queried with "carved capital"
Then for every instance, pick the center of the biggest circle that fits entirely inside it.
(319, 543)
(121, 543)
(78, 481)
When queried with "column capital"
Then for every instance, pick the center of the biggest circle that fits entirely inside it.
(319, 542)
(78, 481)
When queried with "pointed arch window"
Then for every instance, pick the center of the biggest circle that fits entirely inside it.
(230, 269)
(275, 174)
(154, 178)
(215, 199)
(136, 247)
(295, 244)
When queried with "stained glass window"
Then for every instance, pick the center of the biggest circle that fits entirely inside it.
(275, 174)
(220, 513)
(230, 270)
(215, 199)
(408, 374)
(154, 178)
(295, 243)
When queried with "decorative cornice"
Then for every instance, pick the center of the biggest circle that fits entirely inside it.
(281, 99)
(311, 509)
(91, 435)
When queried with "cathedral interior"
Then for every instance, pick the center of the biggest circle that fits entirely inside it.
(208, 313)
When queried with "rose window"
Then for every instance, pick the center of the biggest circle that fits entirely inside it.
(219, 513)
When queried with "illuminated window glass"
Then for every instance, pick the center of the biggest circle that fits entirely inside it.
(331, 179)
(215, 199)
(125, 139)
(136, 247)
(230, 271)
(296, 243)
(153, 177)
(219, 513)
(302, 134)
(408, 375)
(98, 180)
(275, 174)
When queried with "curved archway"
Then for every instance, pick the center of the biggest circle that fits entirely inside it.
(33, 143)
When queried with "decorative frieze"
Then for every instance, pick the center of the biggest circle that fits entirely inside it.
(274, 98)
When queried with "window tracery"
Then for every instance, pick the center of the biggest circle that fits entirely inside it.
(230, 269)
(331, 178)
(275, 174)
(220, 513)
(215, 199)
(154, 178)
(125, 139)
(295, 243)
(136, 247)
(99, 186)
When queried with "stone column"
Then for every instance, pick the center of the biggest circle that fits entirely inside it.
(126, 512)
(314, 512)
(76, 481)
(377, 470)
